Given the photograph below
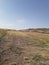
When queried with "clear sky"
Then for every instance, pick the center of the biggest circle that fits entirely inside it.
(22, 14)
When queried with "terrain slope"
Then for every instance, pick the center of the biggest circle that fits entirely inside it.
(24, 47)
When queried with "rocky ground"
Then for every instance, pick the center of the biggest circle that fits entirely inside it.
(27, 47)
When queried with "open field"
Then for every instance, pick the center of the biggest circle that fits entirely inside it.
(24, 47)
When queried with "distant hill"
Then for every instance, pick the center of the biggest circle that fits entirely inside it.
(24, 47)
(39, 30)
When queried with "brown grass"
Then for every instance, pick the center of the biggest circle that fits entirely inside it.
(24, 47)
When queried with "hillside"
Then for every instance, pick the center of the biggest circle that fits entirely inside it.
(24, 47)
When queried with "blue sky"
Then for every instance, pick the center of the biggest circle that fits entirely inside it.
(22, 14)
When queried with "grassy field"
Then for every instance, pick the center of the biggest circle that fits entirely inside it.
(24, 47)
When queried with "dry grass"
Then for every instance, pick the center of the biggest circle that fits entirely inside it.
(29, 47)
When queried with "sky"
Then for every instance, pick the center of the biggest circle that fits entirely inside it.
(23, 14)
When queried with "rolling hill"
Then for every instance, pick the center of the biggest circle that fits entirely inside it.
(24, 47)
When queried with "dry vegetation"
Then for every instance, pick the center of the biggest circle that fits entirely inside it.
(27, 47)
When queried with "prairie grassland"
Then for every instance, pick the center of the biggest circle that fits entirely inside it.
(27, 47)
